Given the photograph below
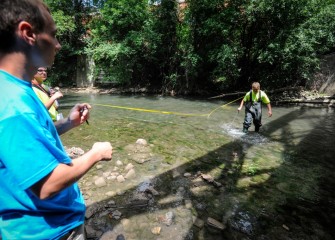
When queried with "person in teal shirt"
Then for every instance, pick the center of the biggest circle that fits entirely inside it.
(253, 107)
(39, 194)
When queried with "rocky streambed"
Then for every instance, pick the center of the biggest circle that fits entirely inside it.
(195, 178)
(143, 197)
(131, 201)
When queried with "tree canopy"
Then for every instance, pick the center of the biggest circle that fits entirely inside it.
(196, 46)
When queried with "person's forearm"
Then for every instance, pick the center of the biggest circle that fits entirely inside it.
(49, 103)
(269, 109)
(65, 175)
(241, 105)
(63, 125)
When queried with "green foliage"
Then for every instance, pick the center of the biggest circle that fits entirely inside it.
(118, 40)
(187, 57)
(211, 45)
(277, 42)
(69, 17)
(65, 23)
(291, 55)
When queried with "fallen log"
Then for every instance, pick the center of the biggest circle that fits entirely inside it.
(228, 94)
(329, 102)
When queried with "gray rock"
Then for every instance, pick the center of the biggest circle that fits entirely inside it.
(120, 178)
(141, 141)
(199, 223)
(100, 182)
(106, 174)
(130, 173)
(151, 190)
(169, 216)
(119, 163)
(116, 214)
(128, 167)
(216, 224)
(175, 173)
(188, 203)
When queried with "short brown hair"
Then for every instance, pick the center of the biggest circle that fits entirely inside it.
(256, 85)
(12, 12)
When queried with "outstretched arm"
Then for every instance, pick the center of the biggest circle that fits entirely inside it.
(65, 175)
(241, 105)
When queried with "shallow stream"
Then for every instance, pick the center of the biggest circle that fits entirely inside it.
(198, 165)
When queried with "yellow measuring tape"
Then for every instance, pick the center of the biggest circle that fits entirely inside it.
(224, 106)
(166, 112)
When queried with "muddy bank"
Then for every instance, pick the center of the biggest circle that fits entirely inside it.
(302, 96)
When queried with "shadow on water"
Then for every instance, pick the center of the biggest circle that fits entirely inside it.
(293, 200)
(312, 218)
(306, 206)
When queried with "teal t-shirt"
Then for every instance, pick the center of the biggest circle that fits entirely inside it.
(30, 150)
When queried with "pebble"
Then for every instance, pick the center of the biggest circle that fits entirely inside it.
(142, 141)
(216, 224)
(286, 227)
(187, 174)
(188, 204)
(110, 193)
(120, 178)
(119, 163)
(128, 167)
(169, 216)
(130, 173)
(199, 223)
(156, 230)
(100, 182)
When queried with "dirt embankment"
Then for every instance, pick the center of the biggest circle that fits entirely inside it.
(301, 96)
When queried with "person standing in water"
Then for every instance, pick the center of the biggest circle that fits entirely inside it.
(39, 194)
(253, 107)
(49, 100)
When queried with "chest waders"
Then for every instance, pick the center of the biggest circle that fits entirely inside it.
(253, 113)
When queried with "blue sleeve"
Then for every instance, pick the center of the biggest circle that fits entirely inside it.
(29, 150)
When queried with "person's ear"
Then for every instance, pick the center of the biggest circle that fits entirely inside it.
(26, 32)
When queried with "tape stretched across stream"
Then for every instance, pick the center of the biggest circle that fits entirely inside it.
(167, 112)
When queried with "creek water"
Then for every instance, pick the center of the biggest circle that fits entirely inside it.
(275, 184)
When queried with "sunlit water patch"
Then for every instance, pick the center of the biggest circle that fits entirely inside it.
(249, 137)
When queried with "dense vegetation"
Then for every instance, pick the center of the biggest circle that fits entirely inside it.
(205, 46)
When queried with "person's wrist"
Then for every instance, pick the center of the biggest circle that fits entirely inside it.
(94, 156)
(69, 122)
